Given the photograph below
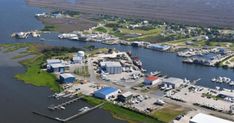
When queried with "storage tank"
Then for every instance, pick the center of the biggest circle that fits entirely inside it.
(81, 54)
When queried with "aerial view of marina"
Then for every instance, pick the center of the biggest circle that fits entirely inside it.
(125, 61)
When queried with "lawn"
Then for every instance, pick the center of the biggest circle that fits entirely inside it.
(168, 113)
(123, 113)
(35, 76)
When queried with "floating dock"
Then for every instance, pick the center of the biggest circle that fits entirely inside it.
(69, 118)
(55, 107)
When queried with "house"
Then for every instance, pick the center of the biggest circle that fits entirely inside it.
(56, 68)
(106, 92)
(125, 96)
(151, 80)
(67, 78)
(172, 82)
(204, 118)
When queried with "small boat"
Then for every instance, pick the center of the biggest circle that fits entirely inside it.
(84, 109)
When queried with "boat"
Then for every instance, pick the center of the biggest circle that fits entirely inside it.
(84, 109)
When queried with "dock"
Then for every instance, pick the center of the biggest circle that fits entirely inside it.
(55, 107)
(69, 118)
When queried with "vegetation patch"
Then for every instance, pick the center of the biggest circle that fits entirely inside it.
(82, 71)
(123, 113)
(169, 113)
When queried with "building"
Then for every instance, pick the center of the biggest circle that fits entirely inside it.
(81, 54)
(67, 78)
(226, 95)
(56, 68)
(106, 92)
(151, 80)
(77, 59)
(172, 82)
(204, 118)
(125, 96)
(111, 67)
(53, 61)
(159, 47)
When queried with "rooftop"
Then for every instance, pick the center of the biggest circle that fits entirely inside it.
(51, 61)
(66, 75)
(204, 118)
(113, 64)
(174, 80)
(227, 93)
(151, 78)
(57, 65)
(127, 94)
(106, 90)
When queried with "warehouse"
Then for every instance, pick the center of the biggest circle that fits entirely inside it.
(106, 92)
(111, 67)
(151, 80)
(204, 118)
(53, 61)
(56, 68)
(172, 82)
(67, 78)
(125, 96)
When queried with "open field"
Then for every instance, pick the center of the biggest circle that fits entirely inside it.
(169, 113)
(66, 24)
(202, 12)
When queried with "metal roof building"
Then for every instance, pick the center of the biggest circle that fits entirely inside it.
(53, 61)
(173, 82)
(67, 78)
(106, 92)
(204, 118)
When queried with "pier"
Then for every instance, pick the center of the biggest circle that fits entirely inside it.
(54, 107)
(69, 118)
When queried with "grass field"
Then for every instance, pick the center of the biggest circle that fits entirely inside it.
(123, 113)
(35, 76)
(169, 113)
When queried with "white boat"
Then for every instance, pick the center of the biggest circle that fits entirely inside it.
(84, 109)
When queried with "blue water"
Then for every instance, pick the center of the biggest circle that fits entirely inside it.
(17, 16)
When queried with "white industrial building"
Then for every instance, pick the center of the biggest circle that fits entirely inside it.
(172, 82)
(111, 67)
(204, 118)
(53, 61)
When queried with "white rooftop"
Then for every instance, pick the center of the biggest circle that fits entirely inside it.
(227, 93)
(174, 80)
(66, 75)
(57, 65)
(204, 118)
(113, 64)
(52, 61)
(126, 94)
